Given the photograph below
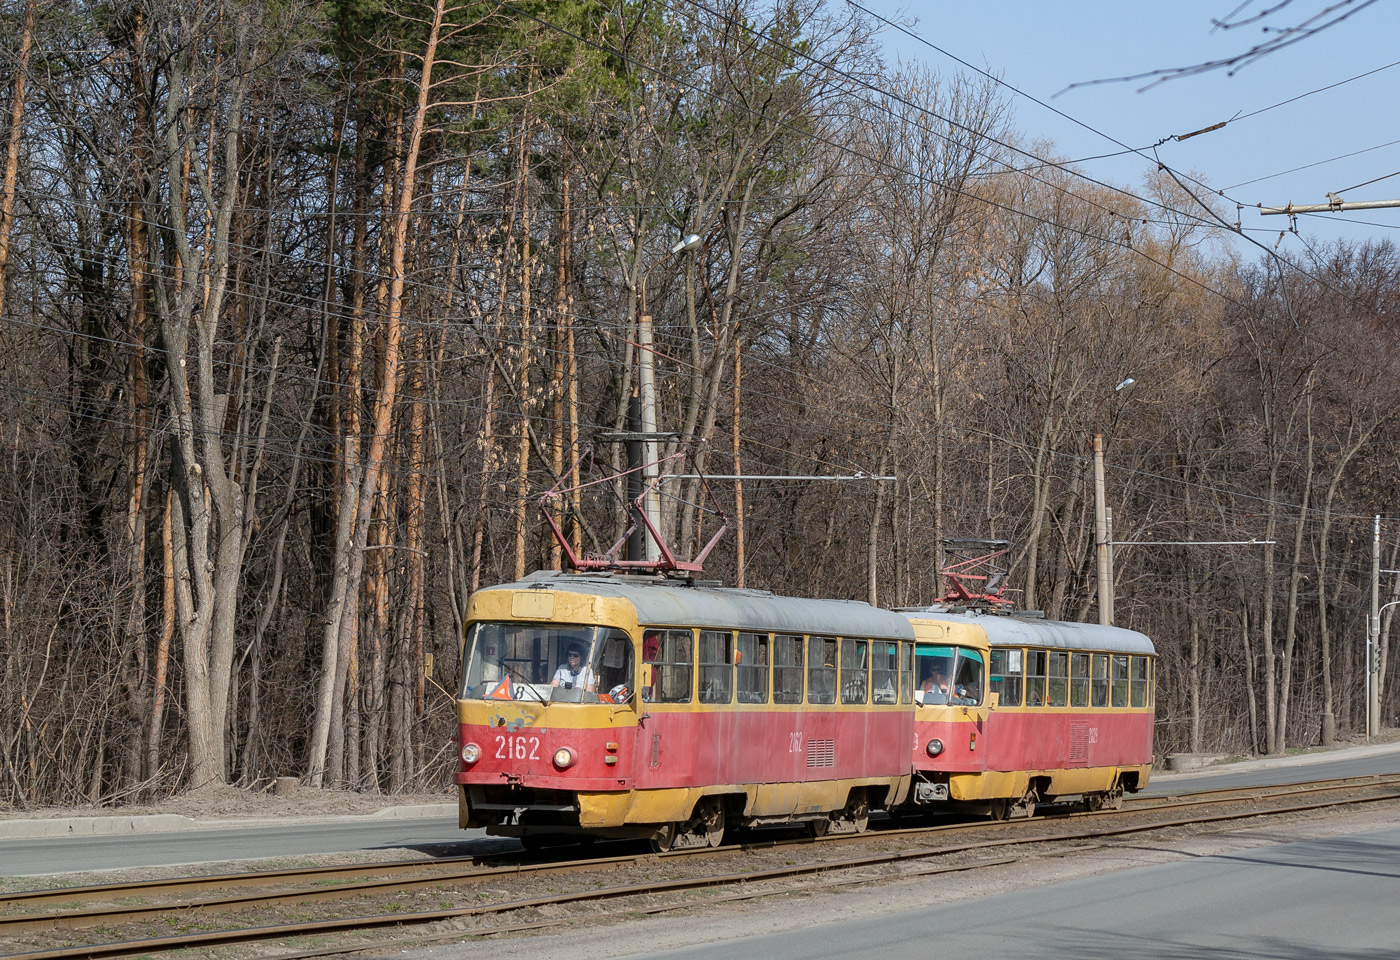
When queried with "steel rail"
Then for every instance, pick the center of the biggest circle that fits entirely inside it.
(794, 871)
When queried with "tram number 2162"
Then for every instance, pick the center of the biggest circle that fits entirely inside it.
(517, 748)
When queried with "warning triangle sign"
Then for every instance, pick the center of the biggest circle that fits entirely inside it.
(502, 691)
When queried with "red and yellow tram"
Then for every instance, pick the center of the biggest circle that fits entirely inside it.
(626, 706)
(1014, 710)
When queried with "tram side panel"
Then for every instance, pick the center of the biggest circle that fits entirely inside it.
(787, 761)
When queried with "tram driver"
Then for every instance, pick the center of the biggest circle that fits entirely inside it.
(934, 688)
(574, 673)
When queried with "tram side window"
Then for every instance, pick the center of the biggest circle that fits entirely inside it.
(906, 670)
(787, 669)
(855, 670)
(1057, 684)
(1099, 684)
(1078, 679)
(671, 656)
(716, 666)
(1138, 672)
(821, 670)
(884, 671)
(1035, 678)
(1120, 681)
(1006, 676)
(753, 667)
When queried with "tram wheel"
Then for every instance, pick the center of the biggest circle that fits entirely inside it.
(710, 822)
(857, 812)
(664, 838)
(818, 828)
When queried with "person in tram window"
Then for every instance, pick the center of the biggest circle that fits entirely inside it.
(573, 673)
(935, 687)
(967, 692)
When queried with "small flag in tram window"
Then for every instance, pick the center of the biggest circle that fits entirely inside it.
(502, 691)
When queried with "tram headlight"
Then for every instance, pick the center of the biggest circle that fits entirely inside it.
(563, 758)
(935, 747)
(471, 753)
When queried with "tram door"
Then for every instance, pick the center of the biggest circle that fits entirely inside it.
(968, 700)
(666, 734)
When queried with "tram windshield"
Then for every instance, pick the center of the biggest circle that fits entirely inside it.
(547, 663)
(948, 675)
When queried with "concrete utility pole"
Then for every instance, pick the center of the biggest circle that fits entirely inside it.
(646, 382)
(1101, 536)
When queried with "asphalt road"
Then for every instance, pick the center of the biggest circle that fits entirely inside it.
(1335, 897)
(1350, 762)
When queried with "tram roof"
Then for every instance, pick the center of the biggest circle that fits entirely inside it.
(669, 603)
(1009, 630)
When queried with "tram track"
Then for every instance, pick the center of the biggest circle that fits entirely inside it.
(45, 914)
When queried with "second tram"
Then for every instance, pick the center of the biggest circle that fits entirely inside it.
(1014, 710)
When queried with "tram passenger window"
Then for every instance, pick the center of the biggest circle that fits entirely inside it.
(753, 667)
(670, 652)
(1057, 683)
(1138, 672)
(821, 670)
(1006, 676)
(1078, 679)
(855, 671)
(884, 671)
(906, 672)
(1035, 678)
(787, 669)
(716, 666)
(1099, 685)
(1120, 681)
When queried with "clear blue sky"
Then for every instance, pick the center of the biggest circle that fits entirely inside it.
(1044, 47)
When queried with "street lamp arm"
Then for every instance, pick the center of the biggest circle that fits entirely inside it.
(688, 242)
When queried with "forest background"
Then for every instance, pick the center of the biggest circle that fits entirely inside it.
(304, 304)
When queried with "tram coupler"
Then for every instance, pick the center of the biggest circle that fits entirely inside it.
(931, 792)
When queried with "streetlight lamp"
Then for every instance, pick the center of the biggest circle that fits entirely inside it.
(1101, 537)
(646, 385)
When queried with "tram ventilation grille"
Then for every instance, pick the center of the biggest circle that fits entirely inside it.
(1078, 743)
(821, 753)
